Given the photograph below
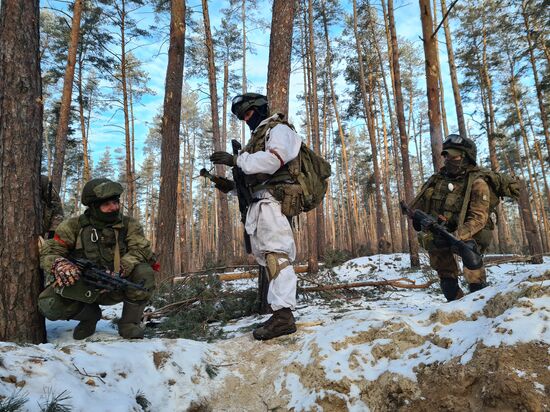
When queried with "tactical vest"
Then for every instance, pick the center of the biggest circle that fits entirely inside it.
(100, 245)
(301, 184)
(449, 197)
(257, 143)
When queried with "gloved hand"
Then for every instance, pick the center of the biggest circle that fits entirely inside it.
(514, 189)
(224, 185)
(417, 223)
(223, 158)
(65, 272)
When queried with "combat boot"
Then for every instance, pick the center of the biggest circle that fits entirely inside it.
(281, 323)
(88, 317)
(129, 325)
(450, 288)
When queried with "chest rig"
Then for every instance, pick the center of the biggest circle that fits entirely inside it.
(448, 197)
(104, 246)
(257, 143)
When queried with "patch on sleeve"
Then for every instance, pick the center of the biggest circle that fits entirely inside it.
(58, 239)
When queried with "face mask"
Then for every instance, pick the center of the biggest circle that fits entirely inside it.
(105, 218)
(254, 120)
(454, 167)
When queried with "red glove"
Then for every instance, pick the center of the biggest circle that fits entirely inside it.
(65, 272)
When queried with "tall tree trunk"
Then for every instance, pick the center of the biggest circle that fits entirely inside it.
(432, 82)
(244, 78)
(439, 77)
(121, 9)
(369, 117)
(313, 225)
(20, 151)
(452, 69)
(504, 239)
(280, 47)
(170, 147)
(396, 244)
(85, 158)
(407, 175)
(65, 109)
(533, 240)
(352, 224)
(538, 85)
(218, 140)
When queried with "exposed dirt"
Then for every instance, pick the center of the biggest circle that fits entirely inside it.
(508, 378)
(252, 368)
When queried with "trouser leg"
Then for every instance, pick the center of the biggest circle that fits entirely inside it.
(444, 263)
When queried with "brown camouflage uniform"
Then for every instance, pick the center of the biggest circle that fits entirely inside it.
(444, 197)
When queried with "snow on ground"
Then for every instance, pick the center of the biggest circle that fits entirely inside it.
(383, 350)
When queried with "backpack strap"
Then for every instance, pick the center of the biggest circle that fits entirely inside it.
(472, 176)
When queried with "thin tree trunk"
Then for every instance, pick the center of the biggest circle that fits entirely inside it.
(439, 78)
(125, 107)
(170, 147)
(432, 82)
(452, 70)
(65, 109)
(218, 140)
(538, 85)
(85, 159)
(369, 117)
(20, 152)
(407, 175)
(312, 227)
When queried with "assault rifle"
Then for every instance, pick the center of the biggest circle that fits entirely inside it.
(471, 258)
(243, 192)
(99, 278)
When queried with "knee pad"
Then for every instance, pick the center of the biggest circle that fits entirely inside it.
(273, 265)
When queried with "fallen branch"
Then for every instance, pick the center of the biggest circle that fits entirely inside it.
(225, 277)
(160, 312)
(403, 283)
(84, 373)
(498, 260)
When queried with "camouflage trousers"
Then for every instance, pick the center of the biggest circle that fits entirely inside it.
(56, 307)
(443, 261)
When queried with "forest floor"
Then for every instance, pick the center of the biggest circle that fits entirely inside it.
(380, 349)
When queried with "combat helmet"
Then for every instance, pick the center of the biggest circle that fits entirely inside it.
(465, 145)
(100, 190)
(244, 102)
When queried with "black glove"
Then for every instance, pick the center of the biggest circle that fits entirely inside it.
(417, 223)
(223, 158)
(224, 185)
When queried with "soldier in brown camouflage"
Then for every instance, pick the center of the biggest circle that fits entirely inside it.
(459, 196)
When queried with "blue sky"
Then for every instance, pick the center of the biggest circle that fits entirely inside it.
(154, 58)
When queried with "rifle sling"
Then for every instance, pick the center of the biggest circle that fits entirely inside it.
(117, 254)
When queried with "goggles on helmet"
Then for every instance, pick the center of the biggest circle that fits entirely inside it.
(457, 140)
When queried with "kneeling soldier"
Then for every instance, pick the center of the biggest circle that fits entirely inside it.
(109, 239)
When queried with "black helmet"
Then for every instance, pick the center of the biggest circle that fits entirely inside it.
(465, 145)
(244, 102)
(99, 190)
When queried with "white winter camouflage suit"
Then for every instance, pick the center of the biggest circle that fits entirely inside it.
(268, 228)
